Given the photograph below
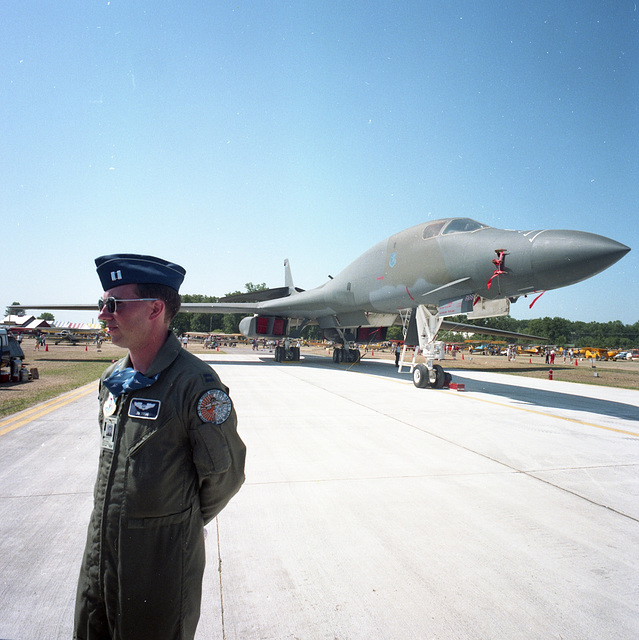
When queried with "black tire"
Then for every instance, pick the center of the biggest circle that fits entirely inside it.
(437, 377)
(420, 376)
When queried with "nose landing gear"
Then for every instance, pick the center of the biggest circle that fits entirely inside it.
(436, 377)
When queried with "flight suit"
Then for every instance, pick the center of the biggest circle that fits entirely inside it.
(170, 460)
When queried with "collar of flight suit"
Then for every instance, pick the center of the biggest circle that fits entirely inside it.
(168, 352)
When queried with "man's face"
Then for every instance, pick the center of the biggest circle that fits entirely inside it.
(128, 325)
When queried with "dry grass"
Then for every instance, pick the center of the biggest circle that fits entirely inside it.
(66, 367)
(60, 369)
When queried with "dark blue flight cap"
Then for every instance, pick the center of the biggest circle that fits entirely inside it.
(130, 268)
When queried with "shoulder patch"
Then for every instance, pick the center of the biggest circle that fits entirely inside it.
(214, 406)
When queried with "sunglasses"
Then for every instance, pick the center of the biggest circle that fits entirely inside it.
(111, 304)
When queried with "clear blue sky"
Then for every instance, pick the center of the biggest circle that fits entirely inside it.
(227, 136)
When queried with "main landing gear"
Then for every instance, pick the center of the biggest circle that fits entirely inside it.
(287, 354)
(346, 355)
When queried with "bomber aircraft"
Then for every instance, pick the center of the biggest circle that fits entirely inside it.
(419, 276)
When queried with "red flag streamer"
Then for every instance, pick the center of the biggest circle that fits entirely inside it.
(530, 306)
(499, 262)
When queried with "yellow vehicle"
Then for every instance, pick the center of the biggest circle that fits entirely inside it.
(598, 354)
(530, 351)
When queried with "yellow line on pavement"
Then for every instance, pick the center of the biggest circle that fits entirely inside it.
(552, 415)
(24, 417)
(535, 411)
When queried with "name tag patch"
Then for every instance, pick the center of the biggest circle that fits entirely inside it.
(144, 408)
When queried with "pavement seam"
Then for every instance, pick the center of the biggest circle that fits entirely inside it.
(487, 457)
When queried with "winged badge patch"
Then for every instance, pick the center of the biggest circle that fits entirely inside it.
(144, 408)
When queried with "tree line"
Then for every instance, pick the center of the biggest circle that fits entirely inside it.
(211, 322)
(559, 331)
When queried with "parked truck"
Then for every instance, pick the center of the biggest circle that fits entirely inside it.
(11, 352)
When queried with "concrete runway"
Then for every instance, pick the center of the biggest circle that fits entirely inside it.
(372, 510)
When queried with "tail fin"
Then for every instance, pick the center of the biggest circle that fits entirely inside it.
(288, 278)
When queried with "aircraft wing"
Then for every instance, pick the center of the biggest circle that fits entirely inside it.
(58, 307)
(187, 307)
(260, 295)
(220, 307)
(460, 327)
(286, 307)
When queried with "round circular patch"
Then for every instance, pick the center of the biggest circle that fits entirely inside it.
(214, 406)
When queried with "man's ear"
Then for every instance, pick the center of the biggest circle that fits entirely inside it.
(157, 309)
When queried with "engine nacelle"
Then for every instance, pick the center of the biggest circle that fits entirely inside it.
(263, 327)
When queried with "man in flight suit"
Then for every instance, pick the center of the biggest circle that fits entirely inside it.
(170, 460)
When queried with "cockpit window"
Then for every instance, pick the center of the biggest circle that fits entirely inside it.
(460, 225)
(433, 229)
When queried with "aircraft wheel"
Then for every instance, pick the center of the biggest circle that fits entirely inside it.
(336, 355)
(296, 354)
(353, 355)
(437, 377)
(420, 376)
(278, 354)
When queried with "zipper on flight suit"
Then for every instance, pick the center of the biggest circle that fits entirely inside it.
(120, 403)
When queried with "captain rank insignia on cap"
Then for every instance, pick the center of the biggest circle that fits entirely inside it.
(214, 406)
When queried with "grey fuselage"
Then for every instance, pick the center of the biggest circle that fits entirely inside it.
(446, 259)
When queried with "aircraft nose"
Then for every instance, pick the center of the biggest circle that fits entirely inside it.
(560, 258)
